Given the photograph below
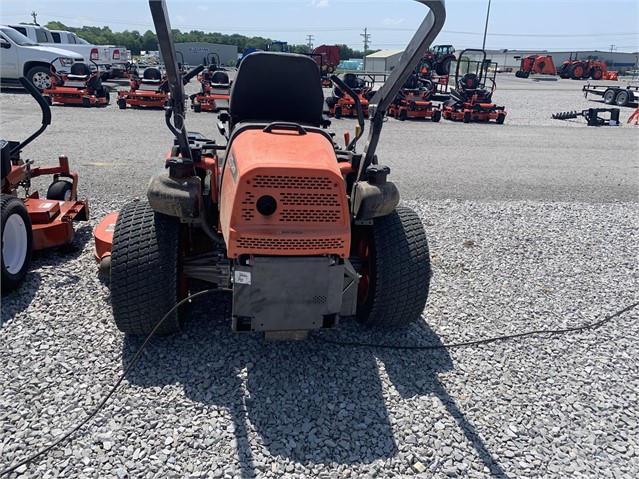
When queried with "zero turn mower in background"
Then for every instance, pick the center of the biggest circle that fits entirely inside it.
(32, 223)
(413, 101)
(472, 99)
(81, 86)
(299, 230)
(341, 104)
(215, 89)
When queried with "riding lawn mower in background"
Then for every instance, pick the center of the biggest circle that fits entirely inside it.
(471, 99)
(215, 89)
(80, 86)
(32, 223)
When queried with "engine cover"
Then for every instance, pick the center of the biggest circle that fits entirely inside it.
(283, 194)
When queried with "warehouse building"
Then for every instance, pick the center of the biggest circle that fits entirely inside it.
(201, 53)
(382, 61)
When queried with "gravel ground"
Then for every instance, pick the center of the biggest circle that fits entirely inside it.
(512, 251)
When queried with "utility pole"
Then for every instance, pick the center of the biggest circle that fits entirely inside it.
(483, 47)
(34, 15)
(366, 36)
(310, 39)
(612, 48)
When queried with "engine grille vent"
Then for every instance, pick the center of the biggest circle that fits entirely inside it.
(250, 242)
(296, 182)
(311, 216)
(309, 199)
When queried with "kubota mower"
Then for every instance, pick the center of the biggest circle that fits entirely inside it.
(81, 86)
(340, 104)
(297, 229)
(32, 223)
(471, 98)
(413, 101)
(215, 89)
(536, 64)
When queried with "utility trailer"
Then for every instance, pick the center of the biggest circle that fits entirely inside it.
(614, 94)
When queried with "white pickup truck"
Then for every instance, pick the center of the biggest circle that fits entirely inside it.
(107, 57)
(19, 56)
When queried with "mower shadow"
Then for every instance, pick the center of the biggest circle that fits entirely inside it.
(302, 407)
(19, 300)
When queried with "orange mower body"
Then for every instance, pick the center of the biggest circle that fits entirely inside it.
(79, 87)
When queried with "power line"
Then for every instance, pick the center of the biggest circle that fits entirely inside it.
(366, 36)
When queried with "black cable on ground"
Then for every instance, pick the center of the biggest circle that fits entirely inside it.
(135, 359)
(133, 362)
(483, 341)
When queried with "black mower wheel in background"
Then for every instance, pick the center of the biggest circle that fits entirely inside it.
(86, 102)
(403, 115)
(122, 103)
(395, 267)
(609, 96)
(338, 112)
(144, 270)
(197, 107)
(501, 117)
(467, 117)
(622, 98)
(60, 190)
(17, 241)
(104, 93)
(437, 115)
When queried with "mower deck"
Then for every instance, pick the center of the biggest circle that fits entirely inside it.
(51, 220)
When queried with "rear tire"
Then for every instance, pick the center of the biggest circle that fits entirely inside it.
(17, 242)
(86, 102)
(437, 115)
(398, 270)
(197, 107)
(338, 112)
(144, 270)
(60, 190)
(104, 93)
(501, 118)
(467, 117)
(609, 96)
(122, 103)
(577, 71)
(622, 98)
(597, 74)
(403, 115)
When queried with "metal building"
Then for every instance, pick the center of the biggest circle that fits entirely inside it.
(201, 53)
(382, 61)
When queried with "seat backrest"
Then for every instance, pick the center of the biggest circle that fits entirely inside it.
(219, 77)
(273, 86)
(80, 68)
(152, 73)
(469, 81)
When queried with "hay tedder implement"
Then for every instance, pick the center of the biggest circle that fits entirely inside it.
(33, 223)
(299, 230)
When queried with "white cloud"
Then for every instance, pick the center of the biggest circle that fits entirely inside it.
(392, 21)
(203, 8)
(318, 4)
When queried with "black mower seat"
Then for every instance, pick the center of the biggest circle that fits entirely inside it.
(152, 76)
(469, 81)
(220, 78)
(79, 71)
(272, 86)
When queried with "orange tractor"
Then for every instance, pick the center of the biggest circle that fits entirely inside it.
(296, 228)
(582, 69)
(32, 223)
(536, 64)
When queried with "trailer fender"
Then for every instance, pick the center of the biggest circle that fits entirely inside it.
(374, 200)
(180, 197)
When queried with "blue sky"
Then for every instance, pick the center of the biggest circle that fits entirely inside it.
(534, 24)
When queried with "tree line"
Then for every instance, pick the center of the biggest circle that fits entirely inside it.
(137, 42)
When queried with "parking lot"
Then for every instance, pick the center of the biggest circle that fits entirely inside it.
(532, 226)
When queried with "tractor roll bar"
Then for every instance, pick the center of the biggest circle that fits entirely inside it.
(46, 113)
(167, 48)
(421, 41)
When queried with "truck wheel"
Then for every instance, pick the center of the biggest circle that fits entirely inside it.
(17, 241)
(395, 269)
(40, 76)
(622, 98)
(609, 96)
(60, 190)
(144, 270)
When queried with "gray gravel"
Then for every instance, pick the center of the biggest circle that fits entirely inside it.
(212, 403)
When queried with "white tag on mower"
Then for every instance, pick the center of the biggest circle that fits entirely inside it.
(242, 277)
